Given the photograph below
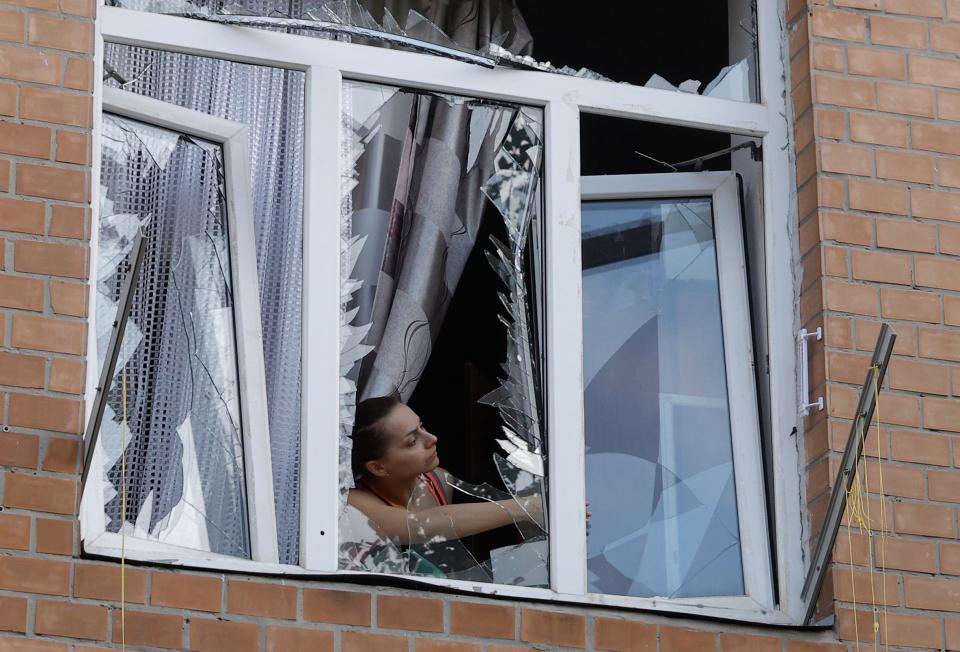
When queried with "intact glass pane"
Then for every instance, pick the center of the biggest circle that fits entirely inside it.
(171, 431)
(660, 477)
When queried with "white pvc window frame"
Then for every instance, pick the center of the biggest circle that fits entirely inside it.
(326, 64)
(255, 426)
(723, 191)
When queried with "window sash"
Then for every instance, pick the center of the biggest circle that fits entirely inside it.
(724, 190)
(232, 137)
(327, 63)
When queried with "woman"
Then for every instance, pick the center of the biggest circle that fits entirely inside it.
(401, 488)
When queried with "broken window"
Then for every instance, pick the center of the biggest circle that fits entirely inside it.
(268, 102)
(660, 421)
(182, 412)
(711, 52)
(427, 272)
(441, 209)
(497, 33)
(450, 29)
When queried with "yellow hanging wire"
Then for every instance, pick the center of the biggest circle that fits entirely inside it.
(123, 513)
(865, 497)
(854, 511)
(853, 586)
(858, 503)
(883, 508)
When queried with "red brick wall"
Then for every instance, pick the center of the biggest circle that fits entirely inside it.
(876, 92)
(876, 96)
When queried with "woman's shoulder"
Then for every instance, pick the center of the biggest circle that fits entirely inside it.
(360, 496)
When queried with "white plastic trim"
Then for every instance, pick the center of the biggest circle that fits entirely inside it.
(743, 609)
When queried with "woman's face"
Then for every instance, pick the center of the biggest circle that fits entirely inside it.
(410, 449)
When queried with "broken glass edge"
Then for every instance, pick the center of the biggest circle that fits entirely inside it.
(334, 28)
(116, 229)
(514, 398)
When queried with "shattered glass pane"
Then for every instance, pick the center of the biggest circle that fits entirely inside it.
(173, 403)
(420, 172)
(463, 35)
(270, 103)
(660, 476)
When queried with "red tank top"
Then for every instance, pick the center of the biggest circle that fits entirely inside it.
(429, 479)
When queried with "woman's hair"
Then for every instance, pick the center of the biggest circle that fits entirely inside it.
(369, 439)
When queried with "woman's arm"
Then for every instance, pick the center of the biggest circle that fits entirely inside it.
(448, 522)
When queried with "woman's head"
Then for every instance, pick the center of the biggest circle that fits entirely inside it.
(389, 440)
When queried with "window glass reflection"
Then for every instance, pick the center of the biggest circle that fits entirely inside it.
(660, 478)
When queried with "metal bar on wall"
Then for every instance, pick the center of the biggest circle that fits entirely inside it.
(848, 470)
(92, 432)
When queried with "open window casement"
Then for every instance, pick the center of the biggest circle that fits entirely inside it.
(673, 464)
(181, 467)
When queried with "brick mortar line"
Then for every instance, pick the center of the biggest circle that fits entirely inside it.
(47, 433)
(43, 86)
(77, 280)
(34, 313)
(14, 389)
(905, 50)
(56, 127)
(49, 49)
(49, 163)
(865, 11)
(40, 10)
(40, 473)
(894, 183)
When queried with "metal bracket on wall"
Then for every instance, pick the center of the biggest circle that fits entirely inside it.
(92, 432)
(802, 338)
(848, 470)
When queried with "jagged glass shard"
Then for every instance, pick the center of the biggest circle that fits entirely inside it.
(733, 83)
(344, 18)
(236, 9)
(348, 12)
(124, 138)
(173, 404)
(510, 189)
(519, 455)
(500, 150)
(420, 27)
(502, 55)
(390, 24)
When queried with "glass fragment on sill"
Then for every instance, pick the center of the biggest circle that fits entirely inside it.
(344, 12)
(656, 414)
(180, 417)
(505, 56)
(473, 152)
(732, 83)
